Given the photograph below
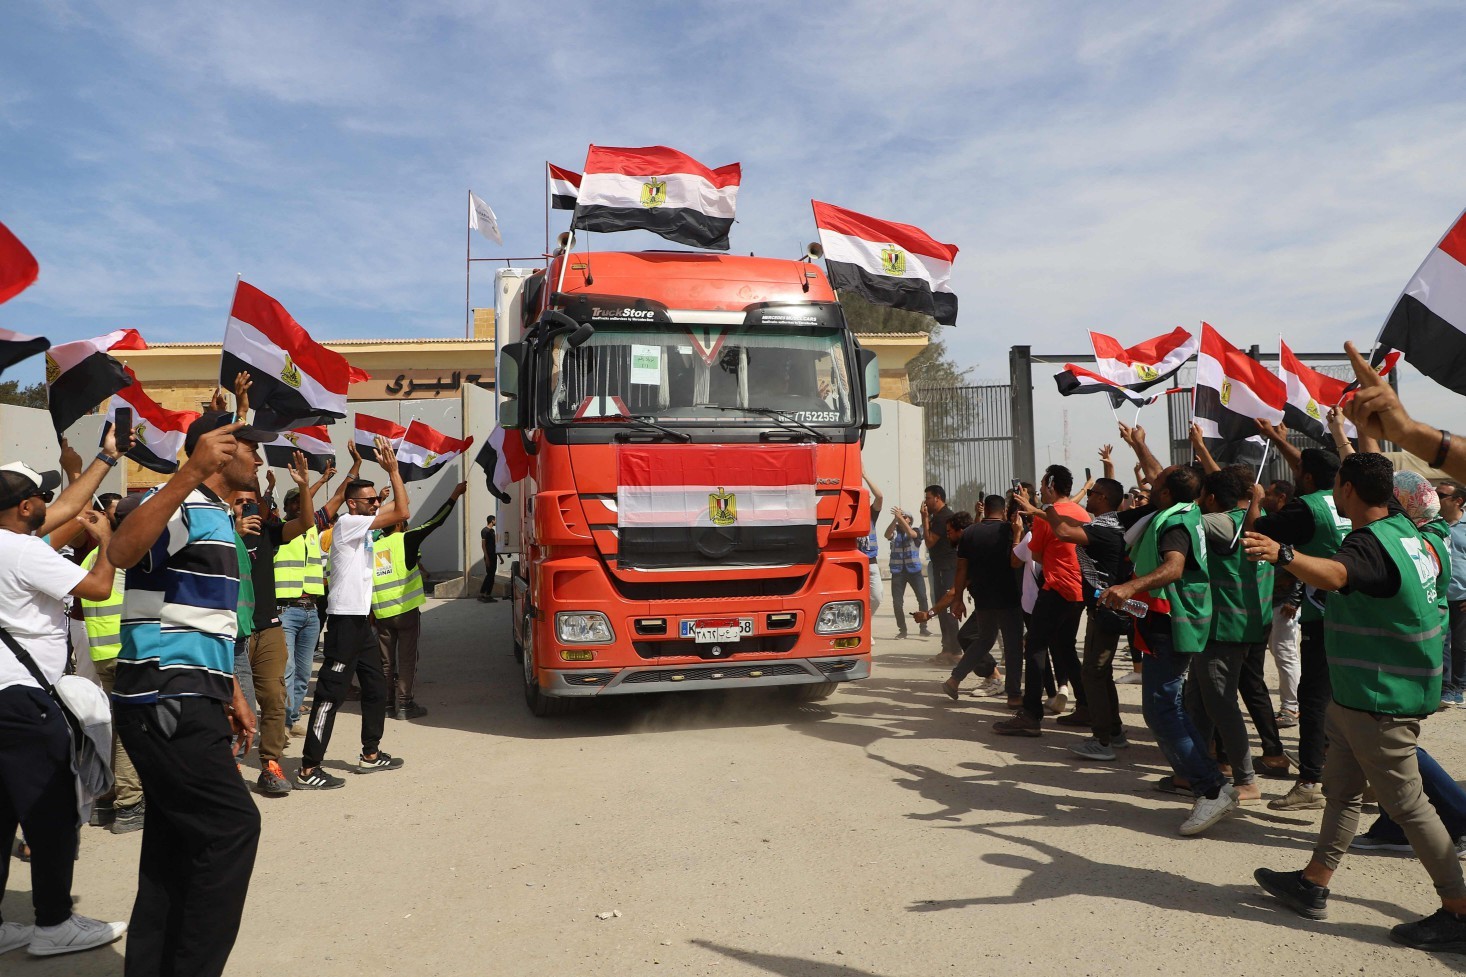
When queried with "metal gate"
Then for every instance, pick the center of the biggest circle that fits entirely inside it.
(969, 440)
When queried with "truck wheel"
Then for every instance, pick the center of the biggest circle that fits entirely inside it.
(540, 705)
(812, 693)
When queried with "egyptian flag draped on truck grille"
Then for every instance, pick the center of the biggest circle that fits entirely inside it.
(1428, 323)
(1232, 390)
(715, 505)
(18, 267)
(157, 432)
(297, 382)
(564, 187)
(313, 442)
(1145, 364)
(368, 429)
(425, 450)
(504, 462)
(887, 263)
(657, 189)
(80, 375)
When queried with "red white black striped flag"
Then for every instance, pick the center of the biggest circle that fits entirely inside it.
(157, 432)
(657, 189)
(1077, 380)
(1145, 364)
(1232, 391)
(424, 451)
(504, 462)
(80, 375)
(366, 431)
(564, 187)
(18, 267)
(1428, 323)
(17, 346)
(1311, 394)
(314, 442)
(297, 382)
(887, 263)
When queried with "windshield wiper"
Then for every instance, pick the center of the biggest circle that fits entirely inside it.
(647, 424)
(774, 412)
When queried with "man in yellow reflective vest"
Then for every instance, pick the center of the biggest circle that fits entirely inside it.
(103, 620)
(300, 585)
(397, 596)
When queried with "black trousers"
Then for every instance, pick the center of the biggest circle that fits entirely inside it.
(38, 792)
(351, 649)
(200, 835)
(1053, 629)
(491, 567)
(980, 632)
(1259, 701)
(1315, 692)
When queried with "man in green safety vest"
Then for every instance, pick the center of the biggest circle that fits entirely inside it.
(1383, 639)
(397, 596)
(103, 621)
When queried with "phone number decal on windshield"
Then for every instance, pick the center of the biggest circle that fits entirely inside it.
(814, 415)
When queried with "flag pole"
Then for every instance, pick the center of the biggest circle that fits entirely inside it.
(228, 318)
(547, 206)
(467, 264)
(1261, 466)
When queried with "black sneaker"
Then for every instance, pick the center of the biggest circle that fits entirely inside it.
(410, 710)
(125, 819)
(1289, 888)
(318, 779)
(1440, 930)
(272, 782)
(102, 815)
(382, 761)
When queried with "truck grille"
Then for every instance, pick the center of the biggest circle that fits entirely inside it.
(710, 589)
(758, 645)
(713, 673)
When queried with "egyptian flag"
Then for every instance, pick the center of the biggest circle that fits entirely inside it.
(313, 442)
(504, 462)
(1232, 391)
(1077, 380)
(368, 429)
(715, 505)
(297, 381)
(424, 451)
(17, 346)
(1428, 323)
(887, 263)
(1311, 394)
(18, 267)
(564, 187)
(80, 375)
(157, 432)
(1146, 364)
(659, 190)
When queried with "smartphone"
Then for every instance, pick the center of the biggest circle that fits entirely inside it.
(251, 509)
(1016, 484)
(122, 429)
(1088, 474)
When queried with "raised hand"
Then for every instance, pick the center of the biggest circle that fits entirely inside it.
(458, 491)
(214, 451)
(70, 461)
(1376, 409)
(385, 456)
(242, 383)
(300, 472)
(96, 525)
(1104, 452)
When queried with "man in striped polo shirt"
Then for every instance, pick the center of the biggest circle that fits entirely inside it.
(178, 708)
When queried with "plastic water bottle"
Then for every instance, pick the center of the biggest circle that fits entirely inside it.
(1133, 607)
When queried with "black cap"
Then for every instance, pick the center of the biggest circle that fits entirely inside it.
(19, 481)
(215, 419)
(129, 502)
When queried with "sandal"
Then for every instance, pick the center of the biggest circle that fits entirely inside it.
(1169, 785)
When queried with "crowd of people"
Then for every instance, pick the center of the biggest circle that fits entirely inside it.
(1351, 573)
(202, 604)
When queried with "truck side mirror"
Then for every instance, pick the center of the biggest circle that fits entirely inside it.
(872, 382)
(506, 381)
(872, 416)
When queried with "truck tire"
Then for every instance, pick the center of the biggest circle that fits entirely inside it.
(514, 615)
(540, 705)
(814, 692)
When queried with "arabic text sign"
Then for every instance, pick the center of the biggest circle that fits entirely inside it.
(420, 384)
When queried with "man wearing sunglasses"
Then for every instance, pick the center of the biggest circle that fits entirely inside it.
(351, 640)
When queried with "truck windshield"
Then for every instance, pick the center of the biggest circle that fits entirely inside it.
(702, 374)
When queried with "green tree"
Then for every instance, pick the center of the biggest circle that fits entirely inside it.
(11, 392)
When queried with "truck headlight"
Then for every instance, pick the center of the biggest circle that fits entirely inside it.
(583, 628)
(839, 616)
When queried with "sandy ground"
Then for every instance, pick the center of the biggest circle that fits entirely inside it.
(883, 832)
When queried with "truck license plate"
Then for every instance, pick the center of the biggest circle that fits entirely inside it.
(706, 632)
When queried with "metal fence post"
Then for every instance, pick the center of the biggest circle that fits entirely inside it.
(1020, 394)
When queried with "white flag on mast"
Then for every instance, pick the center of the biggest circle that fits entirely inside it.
(481, 218)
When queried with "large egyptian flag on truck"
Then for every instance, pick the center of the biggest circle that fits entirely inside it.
(1232, 391)
(314, 442)
(1428, 323)
(710, 505)
(80, 375)
(424, 451)
(297, 382)
(887, 263)
(1144, 364)
(157, 432)
(657, 189)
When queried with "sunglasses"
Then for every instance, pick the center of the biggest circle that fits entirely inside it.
(370, 498)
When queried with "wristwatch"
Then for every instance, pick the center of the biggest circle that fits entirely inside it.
(1285, 555)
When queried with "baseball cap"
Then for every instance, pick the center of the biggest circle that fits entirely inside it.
(215, 419)
(19, 481)
(292, 494)
(129, 502)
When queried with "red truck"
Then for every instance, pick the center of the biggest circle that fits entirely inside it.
(693, 425)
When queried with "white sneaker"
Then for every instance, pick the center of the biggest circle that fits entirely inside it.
(992, 685)
(1129, 678)
(14, 935)
(77, 933)
(1056, 705)
(1207, 812)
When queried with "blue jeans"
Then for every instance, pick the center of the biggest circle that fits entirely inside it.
(302, 627)
(1445, 795)
(1161, 684)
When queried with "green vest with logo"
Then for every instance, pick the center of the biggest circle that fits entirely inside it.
(299, 568)
(1190, 597)
(395, 589)
(1329, 530)
(1385, 653)
(1442, 550)
(1241, 592)
(103, 618)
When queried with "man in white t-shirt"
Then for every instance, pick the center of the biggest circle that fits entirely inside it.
(351, 640)
(37, 787)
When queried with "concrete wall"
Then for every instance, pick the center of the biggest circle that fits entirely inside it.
(26, 434)
(894, 458)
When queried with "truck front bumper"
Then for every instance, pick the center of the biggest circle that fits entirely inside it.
(715, 675)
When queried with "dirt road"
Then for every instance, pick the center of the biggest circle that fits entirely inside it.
(882, 832)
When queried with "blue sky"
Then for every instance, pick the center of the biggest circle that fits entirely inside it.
(1126, 167)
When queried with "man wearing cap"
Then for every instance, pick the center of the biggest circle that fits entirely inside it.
(351, 641)
(37, 786)
(178, 707)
